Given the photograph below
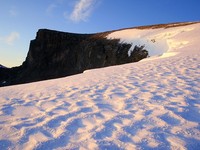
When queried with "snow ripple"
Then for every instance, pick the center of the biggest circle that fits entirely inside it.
(146, 105)
(133, 109)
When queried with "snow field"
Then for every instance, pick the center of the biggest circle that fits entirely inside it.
(152, 104)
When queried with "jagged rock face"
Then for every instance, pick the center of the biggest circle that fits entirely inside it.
(56, 54)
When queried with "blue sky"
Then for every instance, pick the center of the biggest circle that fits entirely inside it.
(20, 19)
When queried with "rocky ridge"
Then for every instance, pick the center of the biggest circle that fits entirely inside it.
(53, 54)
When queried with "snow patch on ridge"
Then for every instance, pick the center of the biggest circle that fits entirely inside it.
(155, 41)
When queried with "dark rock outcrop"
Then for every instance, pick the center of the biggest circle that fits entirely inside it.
(56, 54)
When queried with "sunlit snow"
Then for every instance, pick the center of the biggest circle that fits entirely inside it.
(152, 104)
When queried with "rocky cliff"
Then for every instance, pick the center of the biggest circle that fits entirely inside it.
(56, 54)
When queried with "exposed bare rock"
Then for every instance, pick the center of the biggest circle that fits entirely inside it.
(56, 54)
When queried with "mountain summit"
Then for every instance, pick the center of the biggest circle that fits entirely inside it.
(54, 54)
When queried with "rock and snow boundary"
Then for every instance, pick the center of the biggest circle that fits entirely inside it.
(157, 41)
(152, 104)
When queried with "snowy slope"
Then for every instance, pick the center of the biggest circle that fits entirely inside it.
(156, 41)
(152, 104)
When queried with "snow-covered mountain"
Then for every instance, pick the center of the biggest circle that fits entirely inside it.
(151, 104)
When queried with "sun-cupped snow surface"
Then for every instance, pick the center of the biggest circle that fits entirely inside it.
(152, 104)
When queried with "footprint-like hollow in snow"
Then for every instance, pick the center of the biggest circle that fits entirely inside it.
(104, 106)
(170, 119)
(7, 110)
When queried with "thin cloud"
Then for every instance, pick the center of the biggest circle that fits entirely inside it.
(82, 10)
(66, 15)
(11, 38)
(53, 6)
(13, 12)
(50, 8)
